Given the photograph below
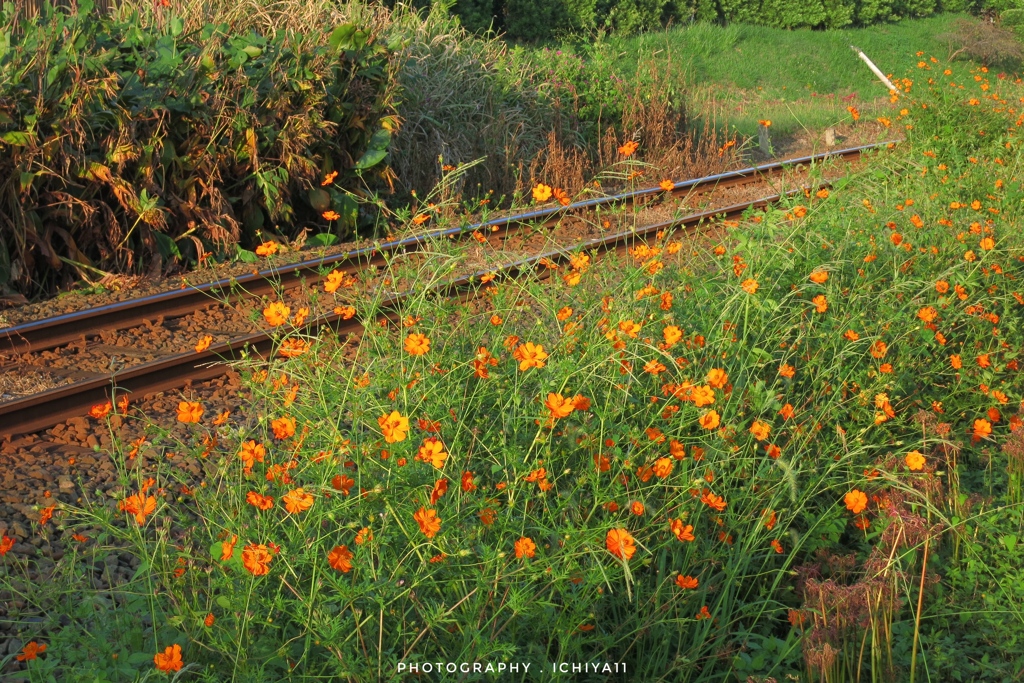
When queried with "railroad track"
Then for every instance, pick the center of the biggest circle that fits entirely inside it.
(147, 371)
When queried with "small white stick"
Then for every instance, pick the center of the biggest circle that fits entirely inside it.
(875, 69)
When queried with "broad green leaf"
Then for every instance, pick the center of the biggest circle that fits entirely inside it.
(371, 158)
(16, 138)
(380, 140)
(341, 36)
(323, 239)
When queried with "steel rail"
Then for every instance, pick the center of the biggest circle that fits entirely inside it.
(62, 329)
(47, 408)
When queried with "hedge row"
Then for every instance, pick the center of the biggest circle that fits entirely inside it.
(543, 19)
(124, 148)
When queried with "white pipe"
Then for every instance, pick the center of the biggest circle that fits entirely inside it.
(875, 69)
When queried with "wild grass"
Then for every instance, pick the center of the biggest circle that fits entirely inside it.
(796, 431)
(795, 78)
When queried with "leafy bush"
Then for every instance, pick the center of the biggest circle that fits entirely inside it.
(541, 19)
(129, 147)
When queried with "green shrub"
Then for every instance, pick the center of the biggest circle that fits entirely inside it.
(1012, 18)
(540, 19)
(127, 147)
(630, 16)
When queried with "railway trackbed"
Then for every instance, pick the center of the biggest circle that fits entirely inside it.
(156, 343)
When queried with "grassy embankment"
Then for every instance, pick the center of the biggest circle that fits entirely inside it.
(801, 80)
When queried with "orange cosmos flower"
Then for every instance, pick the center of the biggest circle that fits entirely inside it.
(702, 396)
(283, 427)
(856, 501)
(854, 113)
(297, 501)
(663, 467)
(341, 559)
(428, 520)
(800, 211)
(717, 378)
(777, 546)
(637, 508)
(629, 328)
(259, 501)
(713, 501)
(169, 660)
(346, 312)
(329, 178)
(850, 335)
(982, 428)
(138, 504)
(710, 420)
(33, 650)
(432, 451)
(787, 370)
(530, 355)
(820, 303)
(365, 535)
(564, 313)
(417, 344)
(987, 243)
(227, 548)
(6, 543)
(208, 621)
(204, 343)
(440, 488)
(672, 335)
(331, 215)
(189, 411)
(525, 547)
(628, 148)
(760, 430)
(46, 514)
(394, 426)
(542, 192)
(750, 285)
(267, 249)
(256, 559)
(342, 483)
(915, 460)
(956, 362)
(334, 281)
(276, 314)
(620, 544)
(787, 411)
(927, 314)
(666, 185)
(819, 277)
(703, 613)
(687, 582)
(100, 410)
(558, 406)
(292, 348)
(879, 348)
